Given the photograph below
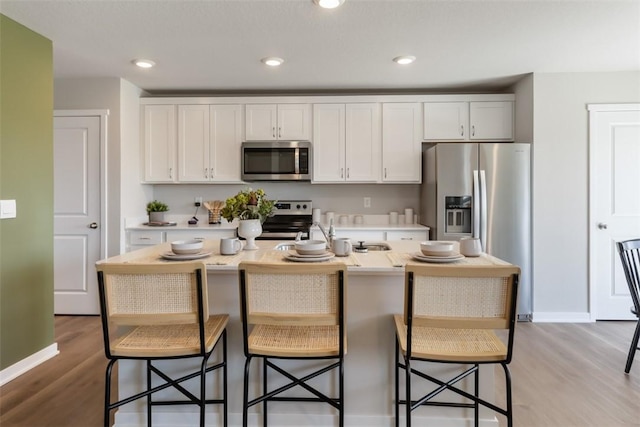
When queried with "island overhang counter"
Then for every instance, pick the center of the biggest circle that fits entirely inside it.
(375, 291)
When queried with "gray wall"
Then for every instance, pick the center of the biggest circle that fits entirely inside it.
(560, 184)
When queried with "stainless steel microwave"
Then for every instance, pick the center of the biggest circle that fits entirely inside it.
(276, 161)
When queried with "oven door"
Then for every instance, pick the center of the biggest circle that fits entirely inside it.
(277, 161)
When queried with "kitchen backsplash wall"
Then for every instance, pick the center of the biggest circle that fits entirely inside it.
(340, 198)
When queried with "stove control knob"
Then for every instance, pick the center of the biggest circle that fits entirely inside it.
(304, 206)
(297, 206)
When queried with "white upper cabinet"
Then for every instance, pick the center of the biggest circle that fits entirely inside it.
(272, 122)
(402, 142)
(446, 121)
(160, 143)
(468, 121)
(226, 138)
(491, 121)
(346, 142)
(209, 138)
(193, 143)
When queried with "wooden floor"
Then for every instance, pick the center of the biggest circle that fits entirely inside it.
(564, 375)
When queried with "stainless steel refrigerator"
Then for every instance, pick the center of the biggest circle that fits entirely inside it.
(482, 190)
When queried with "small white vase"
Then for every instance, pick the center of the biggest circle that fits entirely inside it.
(250, 229)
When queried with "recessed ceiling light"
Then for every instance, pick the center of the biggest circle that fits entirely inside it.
(144, 63)
(404, 60)
(272, 61)
(328, 4)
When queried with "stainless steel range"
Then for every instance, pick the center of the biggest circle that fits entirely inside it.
(291, 217)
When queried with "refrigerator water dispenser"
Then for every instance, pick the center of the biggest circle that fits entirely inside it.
(457, 214)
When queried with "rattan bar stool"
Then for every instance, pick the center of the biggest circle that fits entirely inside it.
(161, 312)
(629, 252)
(293, 312)
(452, 316)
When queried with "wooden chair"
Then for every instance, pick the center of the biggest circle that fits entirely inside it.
(160, 312)
(451, 316)
(293, 312)
(629, 251)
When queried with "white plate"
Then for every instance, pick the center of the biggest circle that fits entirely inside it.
(307, 258)
(437, 259)
(295, 254)
(185, 257)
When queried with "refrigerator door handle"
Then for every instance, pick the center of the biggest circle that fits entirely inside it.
(483, 210)
(475, 232)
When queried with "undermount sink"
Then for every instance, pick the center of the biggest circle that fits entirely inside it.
(377, 246)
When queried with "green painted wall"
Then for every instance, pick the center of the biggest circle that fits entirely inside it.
(26, 175)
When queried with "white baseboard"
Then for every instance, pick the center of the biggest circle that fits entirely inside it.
(560, 317)
(28, 363)
(175, 419)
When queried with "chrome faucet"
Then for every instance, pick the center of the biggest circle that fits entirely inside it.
(327, 236)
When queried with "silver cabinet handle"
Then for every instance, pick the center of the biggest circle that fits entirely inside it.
(347, 172)
(170, 173)
(205, 172)
(341, 172)
(273, 131)
(461, 130)
(602, 226)
(473, 130)
(279, 132)
(385, 172)
(93, 225)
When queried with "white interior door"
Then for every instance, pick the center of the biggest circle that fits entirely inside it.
(77, 213)
(614, 203)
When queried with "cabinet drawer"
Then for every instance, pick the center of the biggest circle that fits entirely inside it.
(145, 238)
(408, 235)
(199, 234)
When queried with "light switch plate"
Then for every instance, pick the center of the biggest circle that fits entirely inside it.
(7, 209)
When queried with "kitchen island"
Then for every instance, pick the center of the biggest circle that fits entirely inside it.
(375, 291)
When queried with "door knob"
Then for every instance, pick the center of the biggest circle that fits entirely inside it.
(602, 226)
(93, 225)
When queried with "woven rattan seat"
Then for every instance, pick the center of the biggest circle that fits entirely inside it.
(444, 344)
(293, 311)
(452, 315)
(630, 257)
(160, 312)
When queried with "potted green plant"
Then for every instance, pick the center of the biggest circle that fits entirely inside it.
(251, 208)
(156, 210)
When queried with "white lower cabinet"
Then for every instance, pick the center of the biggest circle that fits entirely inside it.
(139, 239)
(376, 235)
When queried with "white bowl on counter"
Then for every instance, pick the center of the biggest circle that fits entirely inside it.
(311, 247)
(436, 248)
(186, 247)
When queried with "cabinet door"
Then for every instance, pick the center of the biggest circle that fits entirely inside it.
(294, 122)
(193, 143)
(160, 143)
(328, 143)
(401, 142)
(446, 121)
(261, 122)
(363, 142)
(225, 138)
(491, 121)
(200, 234)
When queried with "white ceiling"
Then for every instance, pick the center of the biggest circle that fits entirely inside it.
(213, 46)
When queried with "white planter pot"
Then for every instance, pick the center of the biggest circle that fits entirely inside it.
(250, 229)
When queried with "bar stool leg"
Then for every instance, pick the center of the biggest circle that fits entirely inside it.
(407, 363)
(264, 391)
(225, 396)
(107, 392)
(149, 395)
(245, 397)
(397, 383)
(476, 405)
